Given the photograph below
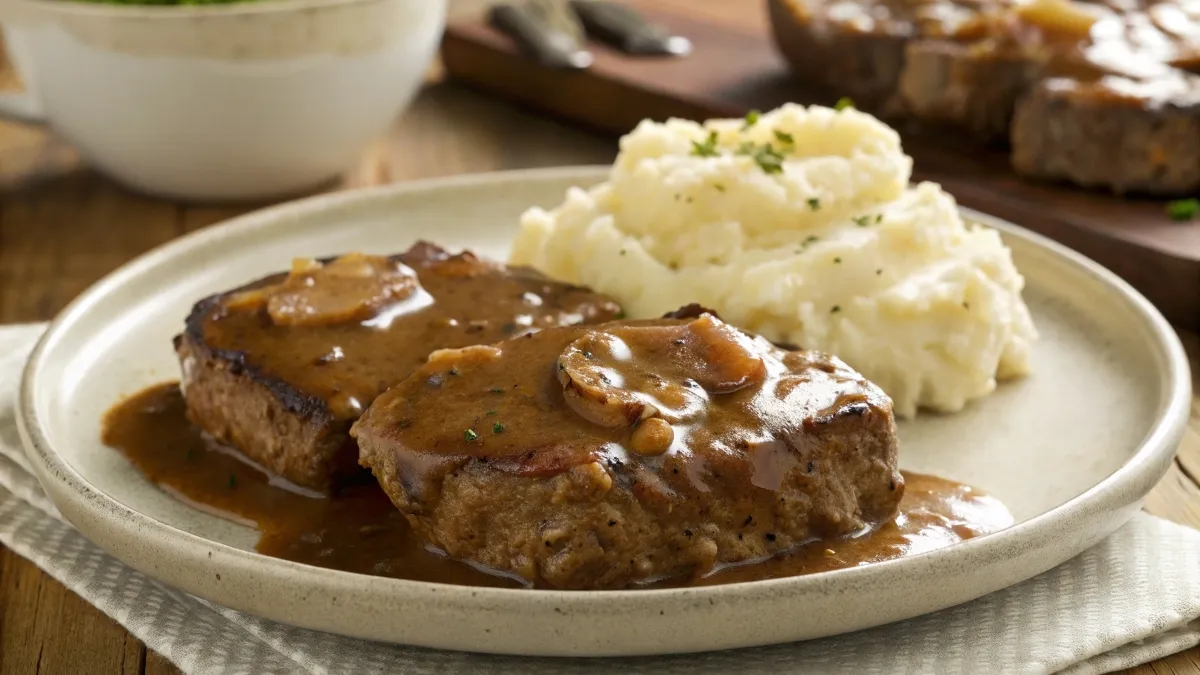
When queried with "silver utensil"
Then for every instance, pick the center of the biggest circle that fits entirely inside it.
(547, 29)
(627, 30)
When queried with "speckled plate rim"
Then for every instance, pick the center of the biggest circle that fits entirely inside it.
(416, 612)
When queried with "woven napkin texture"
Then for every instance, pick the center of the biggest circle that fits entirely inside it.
(1131, 599)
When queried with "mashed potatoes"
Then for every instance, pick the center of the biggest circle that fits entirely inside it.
(799, 225)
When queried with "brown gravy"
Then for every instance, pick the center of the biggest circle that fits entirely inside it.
(358, 530)
(457, 300)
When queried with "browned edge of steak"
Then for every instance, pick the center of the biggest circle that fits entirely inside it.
(954, 84)
(865, 67)
(284, 431)
(289, 433)
(1093, 142)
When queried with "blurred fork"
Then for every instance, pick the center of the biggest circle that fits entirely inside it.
(548, 29)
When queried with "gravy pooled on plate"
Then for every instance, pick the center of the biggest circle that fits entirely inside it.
(359, 530)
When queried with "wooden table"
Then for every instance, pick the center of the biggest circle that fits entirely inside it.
(62, 227)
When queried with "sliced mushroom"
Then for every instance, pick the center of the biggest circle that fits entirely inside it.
(354, 287)
(593, 389)
(726, 358)
(624, 374)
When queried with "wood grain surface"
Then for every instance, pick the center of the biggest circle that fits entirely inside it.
(62, 227)
(735, 67)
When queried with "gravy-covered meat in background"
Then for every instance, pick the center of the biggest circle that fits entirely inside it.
(1101, 93)
(623, 453)
(280, 368)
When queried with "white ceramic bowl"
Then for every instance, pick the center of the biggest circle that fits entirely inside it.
(220, 102)
(1072, 449)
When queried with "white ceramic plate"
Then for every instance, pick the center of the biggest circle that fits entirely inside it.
(1072, 449)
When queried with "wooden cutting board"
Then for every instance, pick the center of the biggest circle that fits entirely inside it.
(734, 68)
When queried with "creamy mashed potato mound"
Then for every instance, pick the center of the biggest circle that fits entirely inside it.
(818, 241)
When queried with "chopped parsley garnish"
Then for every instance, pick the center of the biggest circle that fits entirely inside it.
(620, 315)
(497, 428)
(811, 239)
(878, 217)
(1183, 209)
(708, 148)
(835, 309)
(719, 187)
(862, 221)
(837, 260)
(765, 156)
(966, 305)
(751, 119)
(769, 160)
(490, 413)
(843, 103)
(497, 390)
(623, 251)
(784, 137)
(470, 435)
(879, 272)
(232, 481)
(814, 203)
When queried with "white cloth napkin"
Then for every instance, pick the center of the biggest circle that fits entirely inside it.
(1131, 599)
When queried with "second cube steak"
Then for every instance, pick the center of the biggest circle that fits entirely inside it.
(618, 454)
(280, 368)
